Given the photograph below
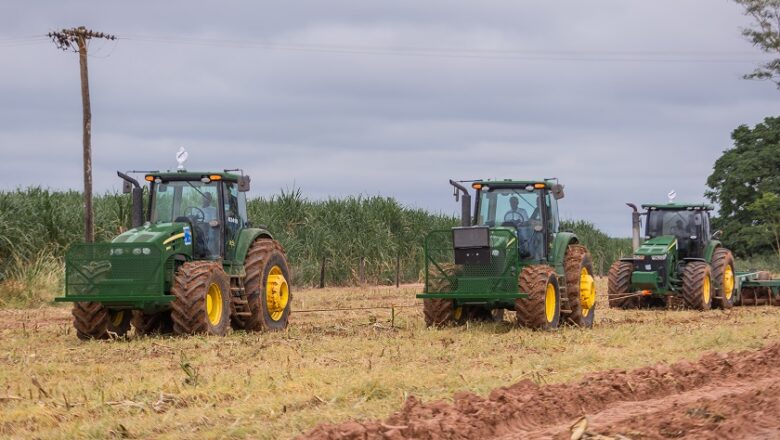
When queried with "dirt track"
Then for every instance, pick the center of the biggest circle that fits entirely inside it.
(734, 395)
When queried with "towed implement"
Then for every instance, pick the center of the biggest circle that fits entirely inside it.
(680, 262)
(192, 264)
(510, 255)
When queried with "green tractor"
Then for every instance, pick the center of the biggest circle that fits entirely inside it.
(510, 255)
(681, 262)
(192, 265)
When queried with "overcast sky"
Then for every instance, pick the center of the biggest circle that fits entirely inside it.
(622, 100)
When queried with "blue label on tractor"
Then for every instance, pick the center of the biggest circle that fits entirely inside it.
(187, 236)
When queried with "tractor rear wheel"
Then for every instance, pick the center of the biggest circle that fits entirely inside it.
(542, 309)
(619, 286)
(723, 278)
(93, 321)
(580, 287)
(202, 303)
(439, 312)
(697, 285)
(152, 323)
(268, 293)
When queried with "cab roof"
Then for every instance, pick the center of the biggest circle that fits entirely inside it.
(192, 175)
(510, 182)
(679, 206)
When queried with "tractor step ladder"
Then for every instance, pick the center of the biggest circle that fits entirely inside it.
(238, 297)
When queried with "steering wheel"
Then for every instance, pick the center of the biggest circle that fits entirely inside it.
(197, 214)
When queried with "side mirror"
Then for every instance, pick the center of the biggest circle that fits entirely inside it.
(127, 187)
(557, 191)
(716, 235)
(243, 183)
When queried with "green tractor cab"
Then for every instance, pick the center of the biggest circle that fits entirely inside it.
(508, 255)
(679, 262)
(191, 264)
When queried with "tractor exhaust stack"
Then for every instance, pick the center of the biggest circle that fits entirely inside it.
(465, 210)
(131, 185)
(636, 224)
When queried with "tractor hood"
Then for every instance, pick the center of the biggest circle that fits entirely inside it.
(657, 246)
(161, 233)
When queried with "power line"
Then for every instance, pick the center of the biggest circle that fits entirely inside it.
(569, 55)
(667, 56)
(23, 41)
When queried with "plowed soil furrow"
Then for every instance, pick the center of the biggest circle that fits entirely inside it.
(702, 410)
(733, 395)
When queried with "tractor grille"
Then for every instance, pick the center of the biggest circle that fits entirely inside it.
(113, 269)
(496, 274)
(647, 264)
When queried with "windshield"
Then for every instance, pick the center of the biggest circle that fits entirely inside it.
(518, 208)
(193, 199)
(682, 224)
(508, 207)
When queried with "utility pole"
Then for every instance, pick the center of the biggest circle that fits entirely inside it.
(76, 39)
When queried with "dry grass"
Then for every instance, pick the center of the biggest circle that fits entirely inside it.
(327, 367)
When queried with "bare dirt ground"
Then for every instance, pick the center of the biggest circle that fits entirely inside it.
(733, 395)
(352, 368)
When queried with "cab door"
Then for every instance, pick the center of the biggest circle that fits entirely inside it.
(233, 219)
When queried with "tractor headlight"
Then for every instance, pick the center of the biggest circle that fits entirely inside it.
(495, 252)
(659, 257)
(137, 251)
(147, 251)
(117, 251)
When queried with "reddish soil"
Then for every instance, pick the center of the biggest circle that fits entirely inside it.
(734, 395)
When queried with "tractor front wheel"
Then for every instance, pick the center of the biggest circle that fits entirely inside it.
(439, 312)
(723, 277)
(93, 321)
(697, 285)
(202, 303)
(619, 286)
(542, 309)
(580, 287)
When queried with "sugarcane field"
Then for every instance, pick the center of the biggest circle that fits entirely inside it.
(390, 220)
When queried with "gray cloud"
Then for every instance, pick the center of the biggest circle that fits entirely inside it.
(390, 124)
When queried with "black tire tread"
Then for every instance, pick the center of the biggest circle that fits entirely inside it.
(90, 320)
(531, 311)
(188, 309)
(258, 255)
(439, 312)
(619, 284)
(693, 280)
(721, 259)
(577, 257)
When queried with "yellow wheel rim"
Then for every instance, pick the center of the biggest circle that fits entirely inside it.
(277, 293)
(549, 302)
(117, 318)
(457, 313)
(587, 291)
(706, 290)
(214, 304)
(728, 282)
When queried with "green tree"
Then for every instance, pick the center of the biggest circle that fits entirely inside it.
(764, 34)
(741, 176)
(767, 209)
